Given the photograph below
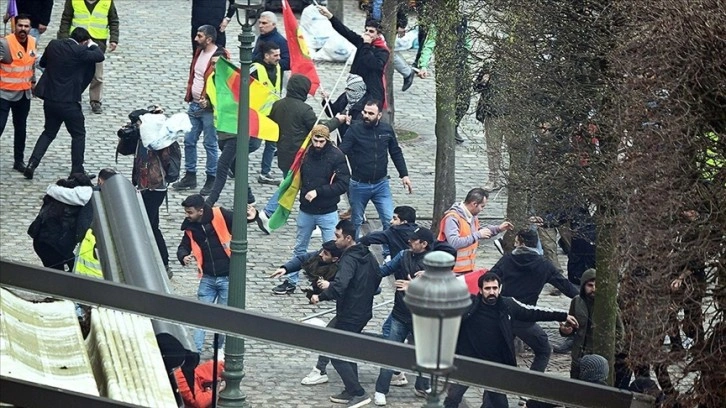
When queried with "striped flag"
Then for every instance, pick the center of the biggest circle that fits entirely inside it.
(289, 188)
(300, 61)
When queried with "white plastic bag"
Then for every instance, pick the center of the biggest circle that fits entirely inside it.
(157, 131)
(407, 41)
(336, 49)
(316, 29)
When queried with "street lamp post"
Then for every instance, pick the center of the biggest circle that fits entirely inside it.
(232, 395)
(437, 299)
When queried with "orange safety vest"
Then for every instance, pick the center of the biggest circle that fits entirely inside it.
(17, 75)
(220, 228)
(466, 256)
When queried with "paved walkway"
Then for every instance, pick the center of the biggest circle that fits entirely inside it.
(151, 66)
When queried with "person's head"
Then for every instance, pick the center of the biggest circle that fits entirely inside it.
(270, 52)
(345, 234)
(587, 283)
(526, 237)
(105, 174)
(403, 214)
(206, 36)
(194, 207)
(81, 35)
(298, 86)
(320, 137)
(330, 252)
(421, 240)
(476, 200)
(22, 27)
(267, 22)
(373, 28)
(355, 88)
(80, 179)
(372, 113)
(594, 368)
(489, 285)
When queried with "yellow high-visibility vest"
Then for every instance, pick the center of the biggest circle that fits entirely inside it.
(96, 23)
(86, 262)
(264, 79)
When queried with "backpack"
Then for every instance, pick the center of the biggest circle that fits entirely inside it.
(155, 169)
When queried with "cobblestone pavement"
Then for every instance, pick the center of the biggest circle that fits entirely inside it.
(151, 66)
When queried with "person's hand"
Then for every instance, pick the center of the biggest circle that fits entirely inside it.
(223, 24)
(423, 73)
(314, 299)
(278, 272)
(324, 94)
(418, 273)
(484, 233)
(203, 103)
(367, 38)
(325, 12)
(90, 43)
(323, 284)
(112, 46)
(342, 117)
(538, 221)
(251, 212)
(676, 284)
(407, 183)
(42, 28)
(506, 226)
(310, 196)
(187, 259)
(572, 321)
(566, 329)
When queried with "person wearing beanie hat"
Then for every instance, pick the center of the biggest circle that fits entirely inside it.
(594, 369)
(324, 176)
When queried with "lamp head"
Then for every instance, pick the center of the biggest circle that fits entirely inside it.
(250, 11)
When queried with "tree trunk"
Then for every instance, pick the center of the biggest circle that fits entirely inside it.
(388, 16)
(336, 7)
(606, 300)
(446, 19)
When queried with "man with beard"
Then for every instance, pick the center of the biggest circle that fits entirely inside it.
(267, 69)
(486, 333)
(17, 82)
(367, 144)
(200, 110)
(324, 177)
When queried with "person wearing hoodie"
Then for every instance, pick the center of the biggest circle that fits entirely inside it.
(353, 289)
(486, 333)
(63, 220)
(524, 272)
(370, 58)
(295, 119)
(396, 237)
(460, 228)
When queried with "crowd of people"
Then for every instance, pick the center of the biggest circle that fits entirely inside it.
(343, 269)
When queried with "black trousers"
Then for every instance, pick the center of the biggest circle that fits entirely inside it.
(70, 115)
(20, 109)
(152, 202)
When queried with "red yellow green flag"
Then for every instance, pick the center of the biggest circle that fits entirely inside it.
(289, 188)
(300, 61)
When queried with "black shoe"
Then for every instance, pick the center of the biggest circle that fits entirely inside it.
(169, 272)
(499, 244)
(263, 222)
(458, 137)
(342, 398)
(208, 184)
(30, 169)
(407, 82)
(565, 346)
(96, 107)
(285, 288)
(188, 182)
(230, 174)
(19, 166)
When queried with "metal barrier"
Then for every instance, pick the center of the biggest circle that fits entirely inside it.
(351, 346)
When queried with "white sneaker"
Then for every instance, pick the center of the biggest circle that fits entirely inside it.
(399, 380)
(316, 233)
(220, 355)
(314, 378)
(379, 399)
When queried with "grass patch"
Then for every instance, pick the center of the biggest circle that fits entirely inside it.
(404, 135)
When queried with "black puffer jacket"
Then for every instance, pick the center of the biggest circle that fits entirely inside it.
(326, 172)
(354, 286)
(295, 119)
(215, 260)
(61, 225)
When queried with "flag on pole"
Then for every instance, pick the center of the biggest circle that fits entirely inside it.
(300, 61)
(12, 12)
(289, 188)
(223, 91)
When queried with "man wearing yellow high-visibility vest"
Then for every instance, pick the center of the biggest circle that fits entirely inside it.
(100, 18)
(267, 70)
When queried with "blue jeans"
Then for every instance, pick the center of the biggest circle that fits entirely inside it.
(272, 204)
(267, 155)
(306, 223)
(489, 399)
(376, 10)
(379, 194)
(202, 121)
(398, 331)
(211, 290)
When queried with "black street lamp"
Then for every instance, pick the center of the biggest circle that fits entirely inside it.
(437, 299)
(232, 395)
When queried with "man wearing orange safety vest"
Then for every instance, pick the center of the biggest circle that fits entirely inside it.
(17, 83)
(207, 236)
(460, 228)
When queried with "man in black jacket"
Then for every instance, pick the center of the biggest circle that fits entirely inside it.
(367, 144)
(395, 238)
(524, 273)
(486, 333)
(370, 58)
(69, 67)
(324, 176)
(212, 12)
(353, 289)
(206, 240)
